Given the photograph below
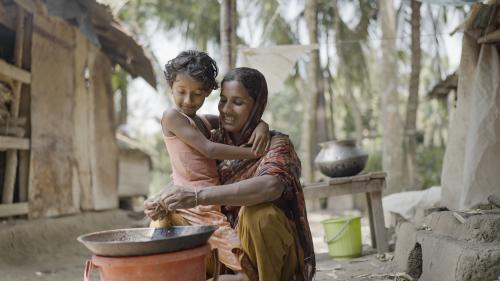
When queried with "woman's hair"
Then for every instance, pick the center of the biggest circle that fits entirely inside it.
(253, 81)
(198, 65)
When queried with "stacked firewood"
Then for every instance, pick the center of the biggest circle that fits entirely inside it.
(6, 97)
(9, 126)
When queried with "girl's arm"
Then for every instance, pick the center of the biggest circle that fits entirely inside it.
(247, 192)
(177, 124)
(260, 138)
(213, 120)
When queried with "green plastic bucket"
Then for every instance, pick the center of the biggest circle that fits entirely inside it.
(343, 236)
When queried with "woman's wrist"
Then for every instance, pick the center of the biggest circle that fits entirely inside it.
(202, 196)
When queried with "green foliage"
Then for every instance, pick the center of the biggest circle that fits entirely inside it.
(430, 165)
(284, 112)
(374, 162)
(280, 32)
(196, 20)
(429, 162)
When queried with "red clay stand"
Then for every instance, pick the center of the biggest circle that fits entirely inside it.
(187, 265)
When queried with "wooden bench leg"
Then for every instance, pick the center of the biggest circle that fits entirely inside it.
(378, 222)
(370, 219)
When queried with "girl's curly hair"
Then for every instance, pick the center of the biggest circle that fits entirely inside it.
(198, 65)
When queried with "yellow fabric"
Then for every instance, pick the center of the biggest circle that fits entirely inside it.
(267, 240)
(224, 239)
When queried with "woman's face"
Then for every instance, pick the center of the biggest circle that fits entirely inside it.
(235, 106)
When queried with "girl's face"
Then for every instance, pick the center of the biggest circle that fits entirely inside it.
(188, 94)
(235, 106)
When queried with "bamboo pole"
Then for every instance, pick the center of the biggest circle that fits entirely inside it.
(11, 157)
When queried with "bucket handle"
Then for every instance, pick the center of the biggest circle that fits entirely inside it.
(88, 270)
(339, 233)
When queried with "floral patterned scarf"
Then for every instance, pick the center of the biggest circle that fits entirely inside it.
(280, 161)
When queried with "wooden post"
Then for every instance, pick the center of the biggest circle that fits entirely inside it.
(24, 111)
(378, 222)
(227, 34)
(11, 157)
(370, 219)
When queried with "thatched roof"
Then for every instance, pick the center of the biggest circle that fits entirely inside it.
(120, 45)
(486, 18)
(97, 22)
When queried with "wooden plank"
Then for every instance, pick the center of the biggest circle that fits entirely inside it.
(378, 222)
(24, 111)
(492, 37)
(326, 190)
(51, 155)
(27, 5)
(365, 177)
(81, 133)
(14, 72)
(13, 131)
(13, 122)
(102, 140)
(378, 175)
(369, 208)
(24, 157)
(7, 17)
(339, 180)
(14, 143)
(7, 210)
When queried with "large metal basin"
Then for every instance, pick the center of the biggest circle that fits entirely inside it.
(146, 241)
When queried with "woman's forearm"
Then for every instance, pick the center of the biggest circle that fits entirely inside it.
(243, 193)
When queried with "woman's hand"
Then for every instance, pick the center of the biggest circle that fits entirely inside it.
(178, 197)
(153, 209)
(260, 139)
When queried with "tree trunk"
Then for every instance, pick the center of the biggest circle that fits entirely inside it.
(122, 87)
(122, 116)
(412, 107)
(391, 124)
(227, 35)
(310, 114)
(355, 111)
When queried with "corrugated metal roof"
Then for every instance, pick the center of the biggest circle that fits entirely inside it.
(97, 23)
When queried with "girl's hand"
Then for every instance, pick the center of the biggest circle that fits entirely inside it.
(178, 197)
(260, 139)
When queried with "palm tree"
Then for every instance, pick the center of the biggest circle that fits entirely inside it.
(391, 123)
(412, 105)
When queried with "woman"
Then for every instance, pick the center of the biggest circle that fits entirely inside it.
(262, 198)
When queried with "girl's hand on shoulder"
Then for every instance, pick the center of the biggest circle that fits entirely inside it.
(260, 139)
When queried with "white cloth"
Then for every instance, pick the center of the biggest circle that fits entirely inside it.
(406, 203)
(274, 62)
(471, 168)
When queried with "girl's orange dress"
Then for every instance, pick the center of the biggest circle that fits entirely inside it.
(192, 169)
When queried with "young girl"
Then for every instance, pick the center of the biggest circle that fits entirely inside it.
(191, 77)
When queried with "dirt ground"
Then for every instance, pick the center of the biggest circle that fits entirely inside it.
(46, 249)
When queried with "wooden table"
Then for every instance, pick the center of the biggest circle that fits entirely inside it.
(372, 185)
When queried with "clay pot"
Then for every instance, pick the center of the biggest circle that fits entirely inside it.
(341, 158)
